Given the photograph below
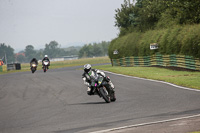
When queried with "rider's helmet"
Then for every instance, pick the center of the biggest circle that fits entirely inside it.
(87, 68)
(46, 56)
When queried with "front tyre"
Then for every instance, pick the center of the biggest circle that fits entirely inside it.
(45, 68)
(104, 94)
(33, 70)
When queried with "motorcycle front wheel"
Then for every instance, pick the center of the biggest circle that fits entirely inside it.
(33, 70)
(104, 94)
(45, 68)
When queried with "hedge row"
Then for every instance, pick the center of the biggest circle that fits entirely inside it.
(181, 40)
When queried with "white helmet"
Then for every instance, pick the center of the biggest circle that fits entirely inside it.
(87, 68)
(46, 56)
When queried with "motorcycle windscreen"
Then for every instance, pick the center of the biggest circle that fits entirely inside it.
(46, 62)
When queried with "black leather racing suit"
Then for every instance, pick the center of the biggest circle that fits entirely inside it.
(34, 60)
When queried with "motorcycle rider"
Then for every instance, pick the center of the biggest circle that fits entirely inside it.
(34, 60)
(46, 58)
(88, 69)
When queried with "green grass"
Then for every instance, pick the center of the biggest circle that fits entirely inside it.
(182, 78)
(80, 62)
(60, 64)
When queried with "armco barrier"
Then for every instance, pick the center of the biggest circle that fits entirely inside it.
(173, 60)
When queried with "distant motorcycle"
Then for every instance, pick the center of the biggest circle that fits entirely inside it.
(33, 67)
(99, 87)
(45, 65)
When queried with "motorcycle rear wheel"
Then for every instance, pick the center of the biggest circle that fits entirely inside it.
(113, 98)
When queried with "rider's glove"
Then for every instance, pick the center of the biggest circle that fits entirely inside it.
(107, 78)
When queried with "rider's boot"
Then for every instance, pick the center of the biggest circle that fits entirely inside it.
(89, 91)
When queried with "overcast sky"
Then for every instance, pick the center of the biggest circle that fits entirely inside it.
(69, 22)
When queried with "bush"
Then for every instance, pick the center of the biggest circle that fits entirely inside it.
(190, 40)
(183, 40)
(126, 45)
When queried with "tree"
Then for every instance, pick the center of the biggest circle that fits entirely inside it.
(83, 53)
(20, 58)
(8, 51)
(187, 11)
(73, 50)
(124, 15)
(30, 53)
(96, 49)
(52, 49)
(105, 46)
(39, 54)
(150, 14)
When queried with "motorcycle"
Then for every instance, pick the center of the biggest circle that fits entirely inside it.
(33, 67)
(45, 65)
(100, 87)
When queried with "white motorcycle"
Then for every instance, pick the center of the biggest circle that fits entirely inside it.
(45, 65)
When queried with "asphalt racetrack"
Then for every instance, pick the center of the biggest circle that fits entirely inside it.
(57, 102)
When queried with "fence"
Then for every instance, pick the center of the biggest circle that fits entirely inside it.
(180, 61)
(14, 66)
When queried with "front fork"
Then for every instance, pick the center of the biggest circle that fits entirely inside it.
(108, 87)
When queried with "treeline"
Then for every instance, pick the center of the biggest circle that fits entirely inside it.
(174, 25)
(53, 50)
(94, 50)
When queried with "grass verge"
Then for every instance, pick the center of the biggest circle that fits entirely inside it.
(60, 64)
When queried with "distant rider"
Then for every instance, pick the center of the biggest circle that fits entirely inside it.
(88, 69)
(46, 58)
(34, 60)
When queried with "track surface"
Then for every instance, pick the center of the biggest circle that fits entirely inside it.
(57, 102)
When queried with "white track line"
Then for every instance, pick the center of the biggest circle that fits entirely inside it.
(149, 123)
(185, 88)
(144, 124)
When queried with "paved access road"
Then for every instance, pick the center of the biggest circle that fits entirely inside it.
(57, 102)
